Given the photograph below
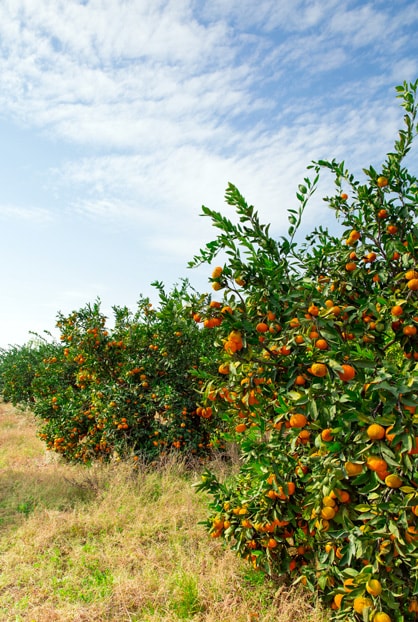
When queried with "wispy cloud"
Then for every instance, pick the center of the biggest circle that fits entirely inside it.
(34, 215)
(158, 105)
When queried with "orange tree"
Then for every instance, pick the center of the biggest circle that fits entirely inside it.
(317, 382)
(129, 389)
(18, 367)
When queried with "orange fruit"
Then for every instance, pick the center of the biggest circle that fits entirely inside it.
(344, 196)
(413, 284)
(304, 436)
(382, 181)
(298, 420)
(318, 369)
(337, 600)
(396, 310)
(353, 468)
(354, 235)
(261, 327)
(375, 463)
(393, 481)
(381, 616)
(374, 587)
(223, 368)
(313, 310)
(350, 266)
(376, 432)
(321, 344)
(300, 380)
(272, 543)
(328, 512)
(360, 603)
(382, 214)
(327, 435)
(409, 330)
(241, 427)
(411, 274)
(217, 286)
(217, 272)
(343, 496)
(348, 373)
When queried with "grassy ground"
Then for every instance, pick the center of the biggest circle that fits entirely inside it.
(104, 544)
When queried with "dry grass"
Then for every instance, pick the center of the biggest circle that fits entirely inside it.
(107, 544)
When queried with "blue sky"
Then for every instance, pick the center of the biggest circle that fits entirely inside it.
(120, 118)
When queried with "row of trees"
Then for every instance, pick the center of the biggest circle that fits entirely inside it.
(308, 364)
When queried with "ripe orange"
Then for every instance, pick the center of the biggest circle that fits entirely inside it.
(241, 427)
(344, 196)
(217, 286)
(409, 330)
(304, 436)
(350, 266)
(411, 274)
(376, 432)
(313, 310)
(321, 344)
(328, 512)
(393, 481)
(374, 587)
(261, 327)
(300, 380)
(354, 235)
(360, 603)
(348, 373)
(382, 181)
(337, 600)
(397, 310)
(375, 463)
(327, 435)
(353, 468)
(298, 420)
(318, 369)
(413, 284)
(392, 229)
(382, 214)
(223, 368)
(217, 272)
(381, 616)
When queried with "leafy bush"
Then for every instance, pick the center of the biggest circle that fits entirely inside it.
(18, 368)
(128, 390)
(317, 383)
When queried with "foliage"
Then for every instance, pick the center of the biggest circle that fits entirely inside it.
(318, 385)
(18, 366)
(128, 390)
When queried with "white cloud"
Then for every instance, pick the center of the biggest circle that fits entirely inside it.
(158, 105)
(36, 215)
